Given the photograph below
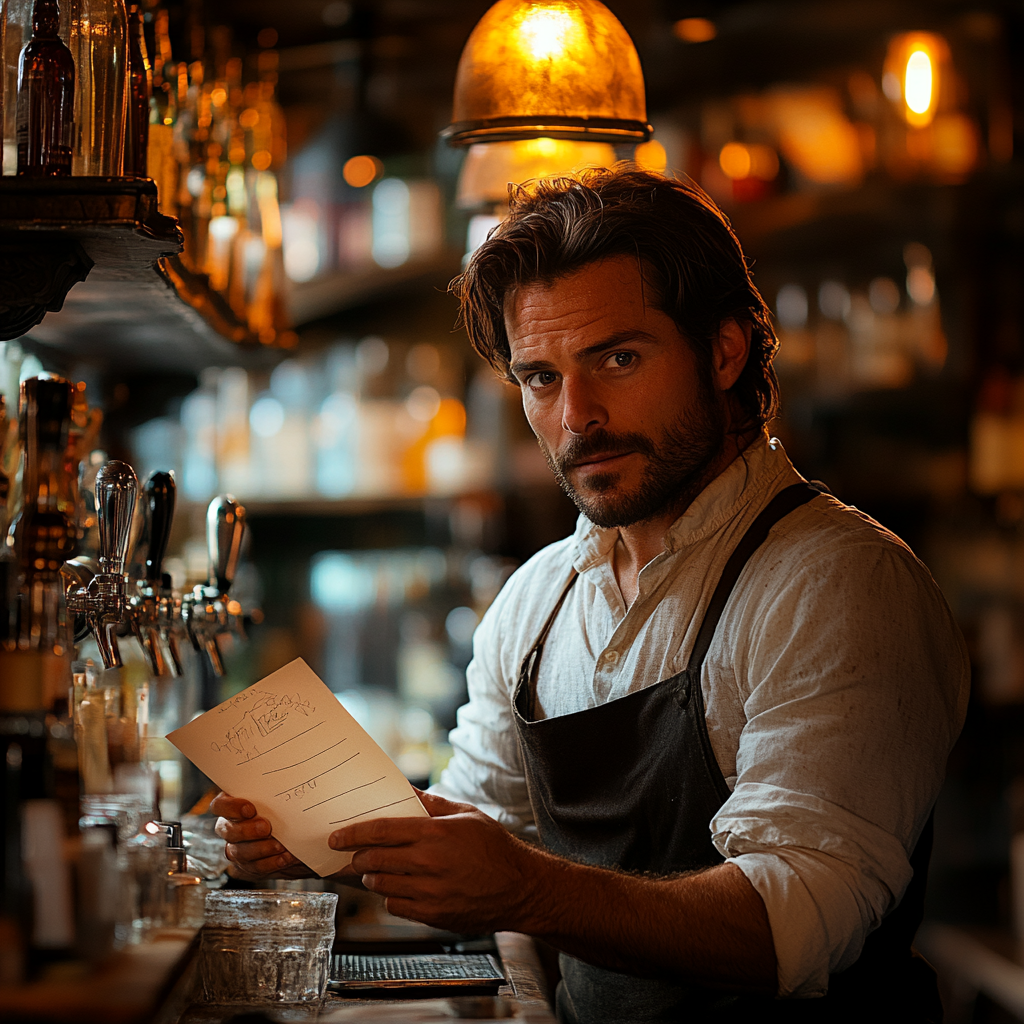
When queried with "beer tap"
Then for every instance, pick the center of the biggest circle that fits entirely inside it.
(155, 610)
(103, 600)
(207, 610)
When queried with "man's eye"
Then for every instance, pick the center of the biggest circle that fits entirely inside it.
(541, 379)
(621, 359)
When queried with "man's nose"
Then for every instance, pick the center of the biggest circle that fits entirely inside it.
(582, 411)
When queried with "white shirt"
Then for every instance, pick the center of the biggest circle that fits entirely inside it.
(834, 689)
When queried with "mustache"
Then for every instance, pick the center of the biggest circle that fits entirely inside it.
(600, 443)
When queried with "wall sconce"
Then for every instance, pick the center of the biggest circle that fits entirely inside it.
(557, 69)
(915, 66)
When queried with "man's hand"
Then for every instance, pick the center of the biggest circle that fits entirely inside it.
(252, 850)
(457, 869)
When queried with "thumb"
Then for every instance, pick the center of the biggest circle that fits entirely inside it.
(439, 806)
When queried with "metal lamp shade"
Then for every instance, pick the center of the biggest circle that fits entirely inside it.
(559, 69)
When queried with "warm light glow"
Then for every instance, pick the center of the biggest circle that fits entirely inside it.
(548, 33)
(917, 86)
(739, 161)
(563, 69)
(694, 30)
(735, 160)
(491, 167)
(815, 135)
(912, 76)
(651, 156)
(360, 171)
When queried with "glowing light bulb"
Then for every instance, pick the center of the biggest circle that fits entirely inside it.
(917, 88)
(546, 32)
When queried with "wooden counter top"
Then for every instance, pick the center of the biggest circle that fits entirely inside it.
(137, 985)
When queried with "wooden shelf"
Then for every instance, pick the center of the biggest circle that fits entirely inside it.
(90, 267)
(341, 290)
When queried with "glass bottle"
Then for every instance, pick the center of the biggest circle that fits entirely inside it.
(161, 160)
(97, 35)
(35, 670)
(15, 32)
(46, 97)
(140, 86)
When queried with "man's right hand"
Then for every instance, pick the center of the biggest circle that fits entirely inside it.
(249, 845)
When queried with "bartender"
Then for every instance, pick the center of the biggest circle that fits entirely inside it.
(704, 733)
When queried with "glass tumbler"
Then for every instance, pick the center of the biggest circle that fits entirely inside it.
(267, 946)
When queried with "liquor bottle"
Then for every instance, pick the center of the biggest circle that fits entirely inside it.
(161, 161)
(15, 32)
(46, 97)
(140, 86)
(35, 670)
(97, 35)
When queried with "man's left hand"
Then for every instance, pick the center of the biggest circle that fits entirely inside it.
(458, 869)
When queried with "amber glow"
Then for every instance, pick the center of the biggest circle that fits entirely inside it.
(694, 30)
(651, 156)
(360, 171)
(549, 68)
(739, 161)
(917, 89)
(491, 167)
(912, 76)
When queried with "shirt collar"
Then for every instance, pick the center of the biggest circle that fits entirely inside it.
(747, 478)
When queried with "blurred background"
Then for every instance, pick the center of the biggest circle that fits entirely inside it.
(390, 479)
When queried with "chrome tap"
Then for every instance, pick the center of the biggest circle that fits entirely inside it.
(103, 600)
(207, 611)
(155, 609)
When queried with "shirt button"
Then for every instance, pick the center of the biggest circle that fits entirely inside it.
(611, 657)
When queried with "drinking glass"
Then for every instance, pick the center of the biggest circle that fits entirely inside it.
(266, 946)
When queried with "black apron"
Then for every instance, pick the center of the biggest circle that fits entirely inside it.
(633, 784)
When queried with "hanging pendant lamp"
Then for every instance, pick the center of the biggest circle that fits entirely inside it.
(559, 69)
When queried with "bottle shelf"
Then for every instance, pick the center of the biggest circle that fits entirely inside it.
(340, 290)
(90, 266)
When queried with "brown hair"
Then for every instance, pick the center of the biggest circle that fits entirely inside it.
(687, 250)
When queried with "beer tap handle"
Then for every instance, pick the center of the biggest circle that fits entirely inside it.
(117, 489)
(225, 524)
(159, 493)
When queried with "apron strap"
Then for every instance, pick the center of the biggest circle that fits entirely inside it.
(777, 509)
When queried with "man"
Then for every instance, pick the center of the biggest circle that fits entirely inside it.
(705, 733)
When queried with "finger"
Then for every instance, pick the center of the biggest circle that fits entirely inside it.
(232, 831)
(245, 853)
(398, 860)
(384, 884)
(268, 865)
(379, 832)
(438, 806)
(232, 807)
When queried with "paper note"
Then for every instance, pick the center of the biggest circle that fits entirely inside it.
(288, 746)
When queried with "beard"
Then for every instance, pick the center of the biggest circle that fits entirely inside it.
(677, 465)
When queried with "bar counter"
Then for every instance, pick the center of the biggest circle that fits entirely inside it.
(156, 983)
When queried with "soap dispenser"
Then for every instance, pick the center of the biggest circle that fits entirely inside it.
(185, 894)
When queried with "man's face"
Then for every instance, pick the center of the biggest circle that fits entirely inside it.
(624, 414)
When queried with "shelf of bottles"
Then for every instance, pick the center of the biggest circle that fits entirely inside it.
(92, 90)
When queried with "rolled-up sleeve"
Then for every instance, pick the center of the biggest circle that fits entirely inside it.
(855, 680)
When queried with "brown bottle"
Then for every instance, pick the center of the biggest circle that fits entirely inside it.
(140, 84)
(46, 98)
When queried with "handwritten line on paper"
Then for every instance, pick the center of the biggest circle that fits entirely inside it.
(372, 809)
(352, 790)
(299, 785)
(224, 742)
(281, 744)
(304, 760)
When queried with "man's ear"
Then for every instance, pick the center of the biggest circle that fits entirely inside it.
(731, 350)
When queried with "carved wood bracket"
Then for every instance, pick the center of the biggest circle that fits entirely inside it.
(37, 270)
